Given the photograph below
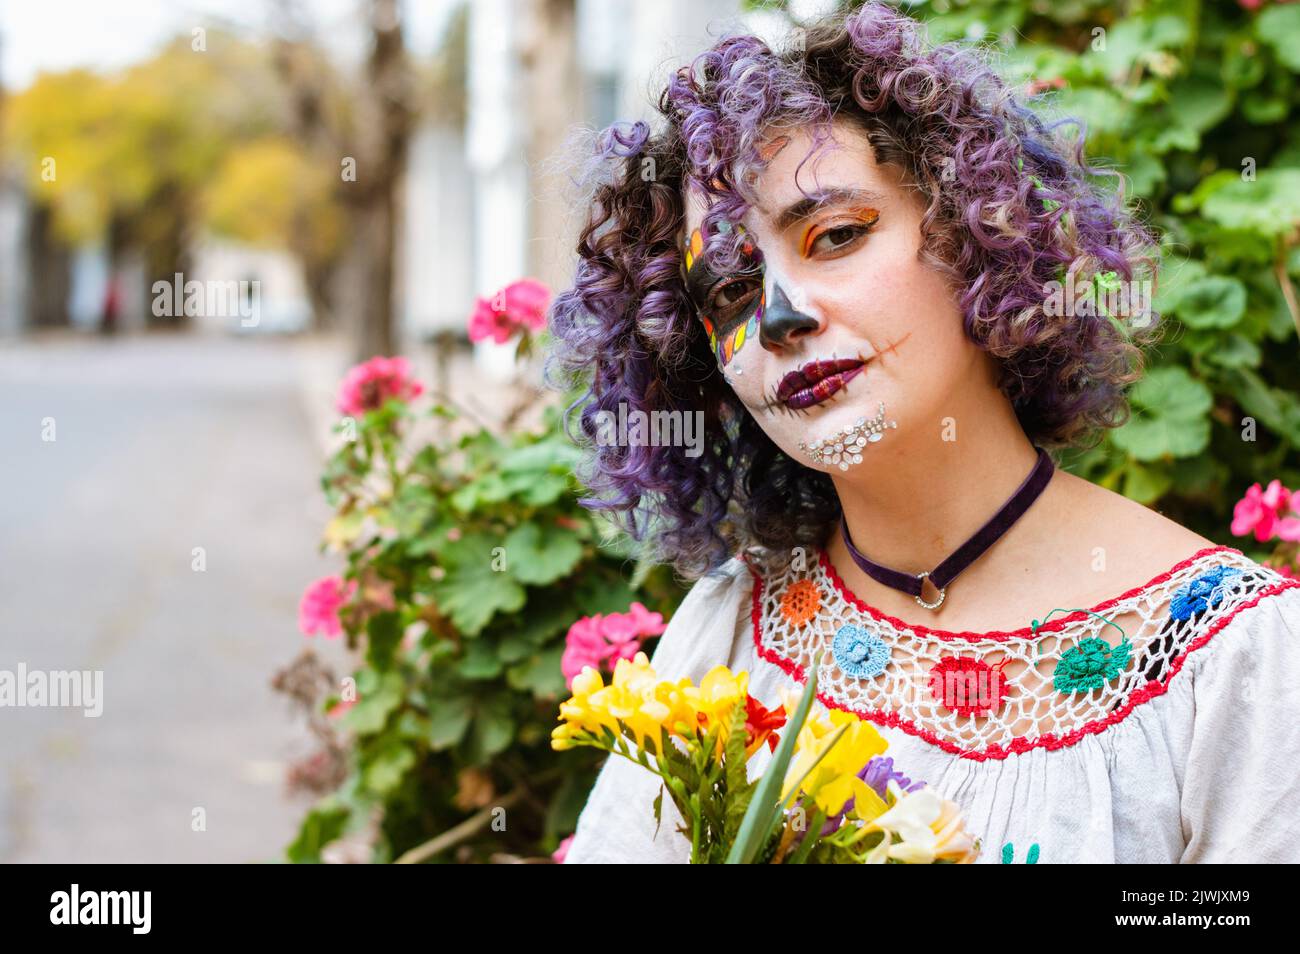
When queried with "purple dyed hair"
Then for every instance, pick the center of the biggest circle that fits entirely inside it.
(1010, 206)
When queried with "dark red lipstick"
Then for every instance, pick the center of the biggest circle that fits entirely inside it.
(816, 381)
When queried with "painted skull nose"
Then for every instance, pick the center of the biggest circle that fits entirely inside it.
(782, 321)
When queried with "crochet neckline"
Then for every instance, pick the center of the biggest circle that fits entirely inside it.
(1025, 632)
(798, 612)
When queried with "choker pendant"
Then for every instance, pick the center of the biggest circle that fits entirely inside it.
(846, 447)
(941, 576)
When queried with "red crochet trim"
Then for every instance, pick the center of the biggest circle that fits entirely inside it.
(1049, 740)
(1028, 631)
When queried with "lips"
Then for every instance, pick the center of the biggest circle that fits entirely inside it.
(816, 381)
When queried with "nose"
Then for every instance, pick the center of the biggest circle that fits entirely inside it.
(781, 321)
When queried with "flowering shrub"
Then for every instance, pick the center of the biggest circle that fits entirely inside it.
(465, 566)
(519, 308)
(601, 641)
(370, 384)
(1272, 514)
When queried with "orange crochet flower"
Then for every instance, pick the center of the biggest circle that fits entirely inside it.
(801, 601)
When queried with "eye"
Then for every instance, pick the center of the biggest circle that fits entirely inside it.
(732, 295)
(837, 239)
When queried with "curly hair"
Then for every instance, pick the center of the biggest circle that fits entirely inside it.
(1011, 205)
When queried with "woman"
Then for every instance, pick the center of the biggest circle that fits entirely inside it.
(842, 257)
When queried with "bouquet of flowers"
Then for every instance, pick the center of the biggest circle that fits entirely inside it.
(828, 794)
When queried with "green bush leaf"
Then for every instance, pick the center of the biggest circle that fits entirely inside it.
(1212, 302)
(1279, 27)
(1170, 416)
(540, 555)
(472, 591)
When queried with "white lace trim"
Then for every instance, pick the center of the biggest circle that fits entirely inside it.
(1032, 712)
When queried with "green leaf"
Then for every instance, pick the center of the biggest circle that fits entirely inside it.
(1145, 484)
(1235, 351)
(323, 824)
(539, 675)
(480, 661)
(472, 591)
(765, 805)
(373, 707)
(1276, 409)
(739, 790)
(491, 731)
(385, 634)
(1177, 274)
(1170, 416)
(1212, 302)
(1268, 206)
(1279, 27)
(540, 555)
(413, 507)
(386, 765)
(448, 719)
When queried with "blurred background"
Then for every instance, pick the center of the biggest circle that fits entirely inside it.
(347, 178)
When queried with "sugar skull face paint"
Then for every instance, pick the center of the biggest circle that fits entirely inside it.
(730, 306)
(847, 314)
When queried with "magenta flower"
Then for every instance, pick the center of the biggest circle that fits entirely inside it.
(368, 385)
(600, 641)
(583, 646)
(626, 631)
(559, 854)
(1265, 512)
(319, 610)
(520, 306)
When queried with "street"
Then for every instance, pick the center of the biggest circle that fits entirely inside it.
(163, 536)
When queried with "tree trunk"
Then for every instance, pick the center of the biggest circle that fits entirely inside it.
(553, 85)
(50, 272)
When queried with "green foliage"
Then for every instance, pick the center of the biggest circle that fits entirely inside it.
(1195, 103)
(472, 558)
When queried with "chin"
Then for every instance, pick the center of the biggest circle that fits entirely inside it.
(847, 435)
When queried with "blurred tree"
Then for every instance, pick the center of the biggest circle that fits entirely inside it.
(364, 143)
(552, 82)
(126, 158)
(269, 192)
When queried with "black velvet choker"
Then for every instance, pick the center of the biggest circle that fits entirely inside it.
(968, 552)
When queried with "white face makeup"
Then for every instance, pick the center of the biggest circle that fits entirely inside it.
(835, 314)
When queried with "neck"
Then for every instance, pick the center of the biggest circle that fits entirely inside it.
(922, 496)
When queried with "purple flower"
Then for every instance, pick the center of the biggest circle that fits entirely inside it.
(877, 773)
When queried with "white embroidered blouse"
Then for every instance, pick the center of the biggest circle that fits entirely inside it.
(1160, 726)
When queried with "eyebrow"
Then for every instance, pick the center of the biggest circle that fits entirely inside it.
(800, 210)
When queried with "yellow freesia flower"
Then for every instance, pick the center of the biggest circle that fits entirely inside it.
(583, 711)
(635, 698)
(716, 698)
(835, 779)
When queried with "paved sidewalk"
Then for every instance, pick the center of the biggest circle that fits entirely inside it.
(163, 444)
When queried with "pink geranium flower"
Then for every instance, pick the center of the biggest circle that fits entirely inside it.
(562, 852)
(520, 306)
(600, 641)
(368, 385)
(583, 646)
(1265, 513)
(319, 610)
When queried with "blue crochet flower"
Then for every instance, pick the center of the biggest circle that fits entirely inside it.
(1204, 591)
(859, 653)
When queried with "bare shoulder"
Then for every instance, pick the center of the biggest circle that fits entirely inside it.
(1139, 543)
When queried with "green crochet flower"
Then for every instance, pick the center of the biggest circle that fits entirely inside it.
(1090, 665)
